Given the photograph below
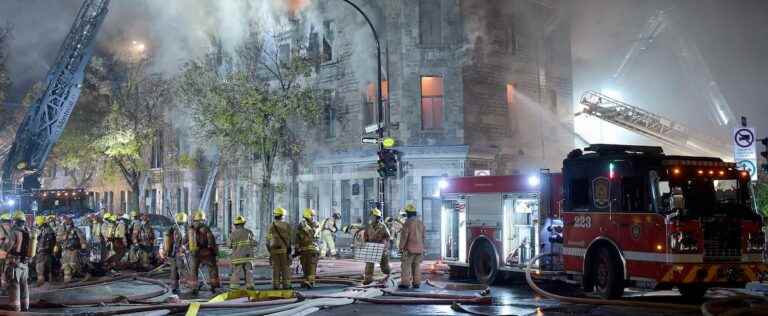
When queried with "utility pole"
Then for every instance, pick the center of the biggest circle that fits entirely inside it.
(383, 181)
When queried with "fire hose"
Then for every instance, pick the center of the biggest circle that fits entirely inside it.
(595, 301)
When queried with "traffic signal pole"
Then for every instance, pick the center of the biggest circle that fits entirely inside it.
(383, 183)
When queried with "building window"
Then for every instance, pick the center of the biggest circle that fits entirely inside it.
(241, 203)
(123, 204)
(313, 47)
(511, 92)
(371, 108)
(432, 108)
(284, 53)
(329, 114)
(430, 32)
(157, 151)
(329, 29)
(553, 100)
(431, 201)
(186, 198)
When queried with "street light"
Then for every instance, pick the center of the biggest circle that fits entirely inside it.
(380, 106)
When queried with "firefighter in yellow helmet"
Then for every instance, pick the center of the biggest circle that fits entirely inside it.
(20, 248)
(107, 226)
(279, 238)
(70, 240)
(5, 232)
(411, 245)
(143, 236)
(118, 242)
(174, 249)
(376, 232)
(97, 242)
(46, 241)
(306, 247)
(133, 222)
(242, 244)
(203, 250)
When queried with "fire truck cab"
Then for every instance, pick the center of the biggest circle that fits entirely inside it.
(634, 216)
(617, 216)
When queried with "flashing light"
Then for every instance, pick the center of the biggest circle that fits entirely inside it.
(701, 171)
(744, 174)
(659, 247)
(11, 202)
(722, 173)
(534, 181)
(676, 171)
(442, 183)
(610, 170)
(711, 172)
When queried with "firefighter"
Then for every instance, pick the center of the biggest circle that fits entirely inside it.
(279, 247)
(328, 234)
(46, 241)
(242, 243)
(20, 248)
(395, 225)
(132, 224)
(143, 236)
(306, 247)
(107, 226)
(203, 250)
(95, 222)
(174, 249)
(5, 233)
(411, 245)
(71, 241)
(118, 242)
(376, 232)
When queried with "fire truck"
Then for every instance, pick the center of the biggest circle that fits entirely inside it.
(617, 216)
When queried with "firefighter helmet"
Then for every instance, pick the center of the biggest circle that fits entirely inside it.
(181, 218)
(403, 213)
(126, 216)
(134, 214)
(107, 216)
(20, 216)
(39, 220)
(309, 213)
(50, 219)
(376, 212)
(5, 217)
(240, 220)
(199, 216)
(410, 208)
(279, 211)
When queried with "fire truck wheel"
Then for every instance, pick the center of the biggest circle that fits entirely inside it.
(484, 263)
(607, 275)
(692, 292)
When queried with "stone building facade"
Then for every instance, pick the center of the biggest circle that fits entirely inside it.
(473, 87)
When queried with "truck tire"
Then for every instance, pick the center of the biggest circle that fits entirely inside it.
(484, 264)
(692, 292)
(607, 274)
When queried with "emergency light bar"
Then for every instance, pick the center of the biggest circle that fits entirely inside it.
(699, 163)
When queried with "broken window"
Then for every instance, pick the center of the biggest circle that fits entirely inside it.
(432, 107)
(430, 32)
(329, 28)
(313, 47)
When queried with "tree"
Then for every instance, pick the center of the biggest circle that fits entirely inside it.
(5, 81)
(135, 117)
(77, 149)
(257, 107)
(761, 196)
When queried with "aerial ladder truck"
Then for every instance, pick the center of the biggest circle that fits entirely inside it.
(47, 117)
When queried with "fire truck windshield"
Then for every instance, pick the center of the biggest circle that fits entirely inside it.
(695, 192)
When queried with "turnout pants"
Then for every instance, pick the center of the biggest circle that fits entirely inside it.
(207, 259)
(308, 262)
(383, 265)
(238, 269)
(16, 277)
(118, 251)
(328, 244)
(411, 268)
(281, 271)
(177, 269)
(70, 264)
(44, 268)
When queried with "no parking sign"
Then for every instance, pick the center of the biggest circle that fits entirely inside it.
(744, 149)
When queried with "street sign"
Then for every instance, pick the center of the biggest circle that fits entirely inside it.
(749, 165)
(744, 143)
(369, 140)
(372, 128)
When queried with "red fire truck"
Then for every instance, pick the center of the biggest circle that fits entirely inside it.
(617, 216)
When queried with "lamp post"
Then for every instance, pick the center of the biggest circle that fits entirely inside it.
(379, 106)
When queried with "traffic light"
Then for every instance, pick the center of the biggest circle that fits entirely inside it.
(764, 153)
(387, 163)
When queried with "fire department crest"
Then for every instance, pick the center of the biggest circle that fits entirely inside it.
(635, 231)
(600, 192)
